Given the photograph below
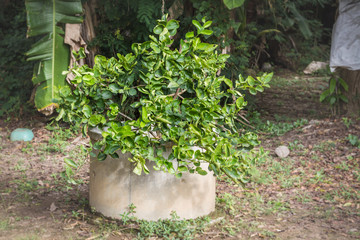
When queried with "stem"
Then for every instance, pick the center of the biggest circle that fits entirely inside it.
(177, 94)
(244, 123)
(234, 179)
(125, 116)
(139, 86)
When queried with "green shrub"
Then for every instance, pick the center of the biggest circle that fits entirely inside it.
(157, 96)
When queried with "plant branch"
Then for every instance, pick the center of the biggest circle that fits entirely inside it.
(177, 93)
(126, 116)
(139, 86)
(244, 123)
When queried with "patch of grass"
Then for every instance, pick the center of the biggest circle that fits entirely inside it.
(325, 146)
(318, 177)
(347, 122)
(295, 145)
(227, 202)
(173, 228)
(353, 140)
(275, 128)
(303, 197)
(343, 193)
(277, 205)
(4, 225)
(343, 166)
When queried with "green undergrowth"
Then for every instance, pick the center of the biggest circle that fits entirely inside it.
(277, 127)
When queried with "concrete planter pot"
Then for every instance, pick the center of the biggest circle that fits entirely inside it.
(114, 186)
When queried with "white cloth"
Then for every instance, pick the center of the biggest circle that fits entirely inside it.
(345, 43)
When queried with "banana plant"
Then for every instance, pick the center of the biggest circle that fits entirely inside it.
(47, 18)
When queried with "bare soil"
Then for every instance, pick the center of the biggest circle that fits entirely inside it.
(314, 193)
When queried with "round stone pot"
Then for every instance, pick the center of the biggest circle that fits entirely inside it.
(114, 186)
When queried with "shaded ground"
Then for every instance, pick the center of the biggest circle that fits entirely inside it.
(314, 193)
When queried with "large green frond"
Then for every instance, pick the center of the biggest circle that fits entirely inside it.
(45, 17)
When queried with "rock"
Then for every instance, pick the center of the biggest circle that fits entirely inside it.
(53, 207)
(21, 134)
(315, 66)
(266, 67)
(282, 151)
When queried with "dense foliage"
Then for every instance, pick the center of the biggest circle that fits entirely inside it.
(156, 96)
(280, 32)
(247, 32)
(15, 72)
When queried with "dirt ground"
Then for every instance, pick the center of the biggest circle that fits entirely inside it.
(314, 193)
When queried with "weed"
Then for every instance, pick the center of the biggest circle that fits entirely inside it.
(356, 173)
(343, 166)
(319, 177)
(278, 129)
(259, 176)
(335, 94)
(277, 206)
(303, 197)
(295, 145)
(227, 202)
(173, 228)
(20, 166)
(325, 146)
(4, 224)
(347, 122)
(354, 140)
(343, 193)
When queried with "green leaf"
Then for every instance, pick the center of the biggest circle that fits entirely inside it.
(206, 32)
(158, 29)
(332, 85)
(138, 169)
(101, 156)
(200, 171)
(144, 114)
(231, 4)
(155, 47)
(70, 163)
(324, 94)
(132, 92)
(300, 20)
(106, 95)
(182, 168)
(228, 82)
(114, 88)
(87, 111)
(251, 81)
(259, 88)
(197, 25)
(332, 100)
(172, 24)
(240, 102)
(43, 17)
(344, 84)
(173, 84)
(344, 98)
(189, 35)
(207, 24)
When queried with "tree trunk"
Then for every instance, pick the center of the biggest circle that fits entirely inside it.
(352, 78)
(88, 28)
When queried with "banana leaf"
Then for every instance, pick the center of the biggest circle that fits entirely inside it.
(47, 17)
